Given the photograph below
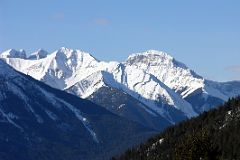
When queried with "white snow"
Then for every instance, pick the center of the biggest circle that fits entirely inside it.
(172, 73)
(152, 77)
(161, 140)
(12, 53)
(121, 106)
(39, 54)
(154, 145)
(15, 82)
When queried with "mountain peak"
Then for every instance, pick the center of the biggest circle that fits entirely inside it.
(39, 54)
(152, 53)
(65, 49)
(150, 57)
(79, 55)
(155, 58)
(157, 53)
(12, 53)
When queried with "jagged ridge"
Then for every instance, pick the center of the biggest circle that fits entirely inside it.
(153, 78)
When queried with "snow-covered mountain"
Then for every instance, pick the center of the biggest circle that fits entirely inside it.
(12, 53)
(40, 122)
(39, 54)
(201, 93)
(164, 87)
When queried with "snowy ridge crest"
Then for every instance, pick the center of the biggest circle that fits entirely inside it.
(153, 77)
(12, 53)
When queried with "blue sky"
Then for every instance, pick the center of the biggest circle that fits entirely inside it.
(203, 34)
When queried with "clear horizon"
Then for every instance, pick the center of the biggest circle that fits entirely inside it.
(204, 35)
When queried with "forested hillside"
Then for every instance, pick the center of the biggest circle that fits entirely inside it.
(212, 135)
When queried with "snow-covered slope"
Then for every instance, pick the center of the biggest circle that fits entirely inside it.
(12, 53)
(154, 78)
(172, 73)
(39, 54)
(183, 80)
(35, 117)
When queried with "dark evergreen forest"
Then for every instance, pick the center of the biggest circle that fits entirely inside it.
(212, 135)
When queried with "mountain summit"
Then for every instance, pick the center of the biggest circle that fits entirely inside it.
(40, 122)
(151, 88)
(39, 54)
(12, 53)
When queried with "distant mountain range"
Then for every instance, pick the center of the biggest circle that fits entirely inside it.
(39, 122)
(151, 88)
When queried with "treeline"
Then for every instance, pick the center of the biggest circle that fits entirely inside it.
(212, 135)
